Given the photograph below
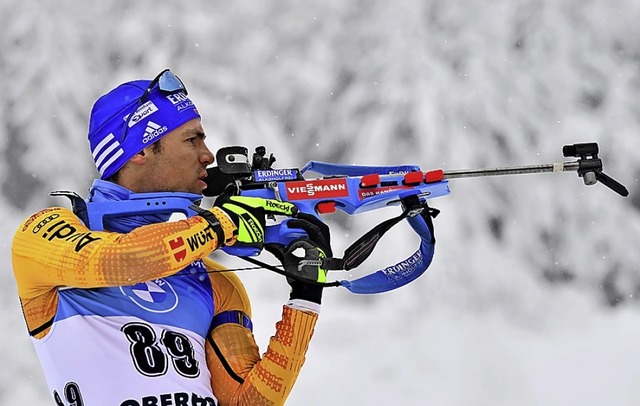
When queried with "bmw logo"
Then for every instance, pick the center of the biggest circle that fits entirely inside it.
(156, 296)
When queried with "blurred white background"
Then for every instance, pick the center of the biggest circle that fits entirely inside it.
(532, 295)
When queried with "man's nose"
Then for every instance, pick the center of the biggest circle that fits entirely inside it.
(206, 156)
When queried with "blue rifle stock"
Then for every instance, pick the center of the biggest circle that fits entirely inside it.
(351, 188)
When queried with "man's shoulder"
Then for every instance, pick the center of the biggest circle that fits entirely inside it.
(42, 218)
(50, 223)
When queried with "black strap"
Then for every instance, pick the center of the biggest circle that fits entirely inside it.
(287, 274)
(223, 360)
(42, 328)
(362, 248)
(213, 221)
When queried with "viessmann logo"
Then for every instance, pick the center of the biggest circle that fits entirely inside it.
(317, 189)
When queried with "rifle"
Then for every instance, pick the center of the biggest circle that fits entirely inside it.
(356, 189)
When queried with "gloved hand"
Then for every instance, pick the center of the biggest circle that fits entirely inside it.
(316, 247)
(306, 269)
(248, 214)
(304, 277)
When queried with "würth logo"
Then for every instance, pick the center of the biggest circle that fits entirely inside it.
(152, 131)
(178, 249)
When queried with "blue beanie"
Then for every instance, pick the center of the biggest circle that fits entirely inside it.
(158, 116)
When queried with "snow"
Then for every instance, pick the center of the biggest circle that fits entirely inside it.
(532, 297)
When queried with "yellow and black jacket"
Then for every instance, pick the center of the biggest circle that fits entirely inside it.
(144, 316)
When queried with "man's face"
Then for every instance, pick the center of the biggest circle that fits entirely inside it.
(180, 164)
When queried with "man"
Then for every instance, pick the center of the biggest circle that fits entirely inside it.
(136, 314)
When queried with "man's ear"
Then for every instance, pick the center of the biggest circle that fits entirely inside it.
(139, 158)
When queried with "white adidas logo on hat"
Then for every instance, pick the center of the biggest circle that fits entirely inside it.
(152, 131)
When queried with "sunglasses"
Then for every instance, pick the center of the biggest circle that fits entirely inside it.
(167, 83)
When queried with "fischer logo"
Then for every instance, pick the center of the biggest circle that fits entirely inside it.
(152, 131)
(143, 111)
(316, 189)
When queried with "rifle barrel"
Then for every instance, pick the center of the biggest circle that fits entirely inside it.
(512, 170)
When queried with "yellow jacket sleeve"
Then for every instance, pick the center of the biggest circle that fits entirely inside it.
(53, 248)
(239, 376)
